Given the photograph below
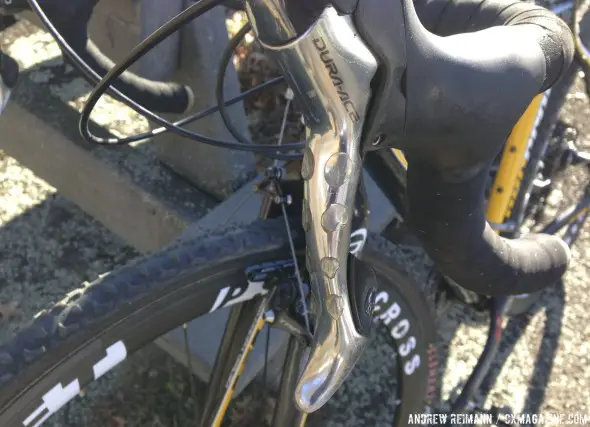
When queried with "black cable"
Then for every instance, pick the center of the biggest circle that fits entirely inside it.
(89, 74)
(189, 119)
(104, 84)
(225, 61)
(266, 350)
(143, 48)
(212, 110)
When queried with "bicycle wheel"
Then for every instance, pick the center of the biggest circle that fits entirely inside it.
(526, 198)
(99, 326)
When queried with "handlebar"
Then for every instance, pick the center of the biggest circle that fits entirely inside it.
(446, 189)
(447, 99)
(451, 100)
(71, 20)
(553, 35)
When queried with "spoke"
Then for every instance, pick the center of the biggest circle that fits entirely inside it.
(300, 419)
(266, 347)
(285, 412)
(170, 369)
(244, 324)
(67, 415)
(297, 272)
(187, 349)
(289, 97)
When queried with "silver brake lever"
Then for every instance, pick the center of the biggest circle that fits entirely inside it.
(330, 69)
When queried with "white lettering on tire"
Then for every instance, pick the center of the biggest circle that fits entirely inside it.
(411, 366)
(238, 295)
(407, 347)
(382, 297)
(357, 241)
(53, 401)
(391, 315)
(401, 329)
(59, 396)
(115, 355)
(392, 312)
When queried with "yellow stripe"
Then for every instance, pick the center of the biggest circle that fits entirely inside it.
(578, 215)
(224, 405)
(230, 390)
(302, 420)
(399, 155)
(509, 175)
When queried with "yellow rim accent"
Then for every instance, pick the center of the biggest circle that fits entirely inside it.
(399, 155)
(578, 215)
(514, 159)
(230, 390)
(303, 420)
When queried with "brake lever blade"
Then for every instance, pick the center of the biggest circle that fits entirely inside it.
(330, 69)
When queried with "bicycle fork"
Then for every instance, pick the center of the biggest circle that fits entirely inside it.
(330, 69)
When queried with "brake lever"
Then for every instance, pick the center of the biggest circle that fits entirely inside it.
(330, 69)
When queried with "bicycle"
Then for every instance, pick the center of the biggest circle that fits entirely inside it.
(96, 328)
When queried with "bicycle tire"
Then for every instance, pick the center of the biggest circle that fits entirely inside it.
(134, 305)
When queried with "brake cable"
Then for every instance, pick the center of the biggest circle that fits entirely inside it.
(219, 87)
(104, 86)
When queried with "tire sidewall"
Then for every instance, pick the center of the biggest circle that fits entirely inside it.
(403, 309)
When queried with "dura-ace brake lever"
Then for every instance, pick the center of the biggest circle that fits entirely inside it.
(330, 69)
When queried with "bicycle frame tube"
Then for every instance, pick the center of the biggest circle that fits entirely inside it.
(570, 215)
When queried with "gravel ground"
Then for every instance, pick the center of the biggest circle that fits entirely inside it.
(48, 246)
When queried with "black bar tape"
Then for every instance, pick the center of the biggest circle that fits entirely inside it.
(448, 17)
(71, 20)
(449, 219)
(164, 97)
(447, 209)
